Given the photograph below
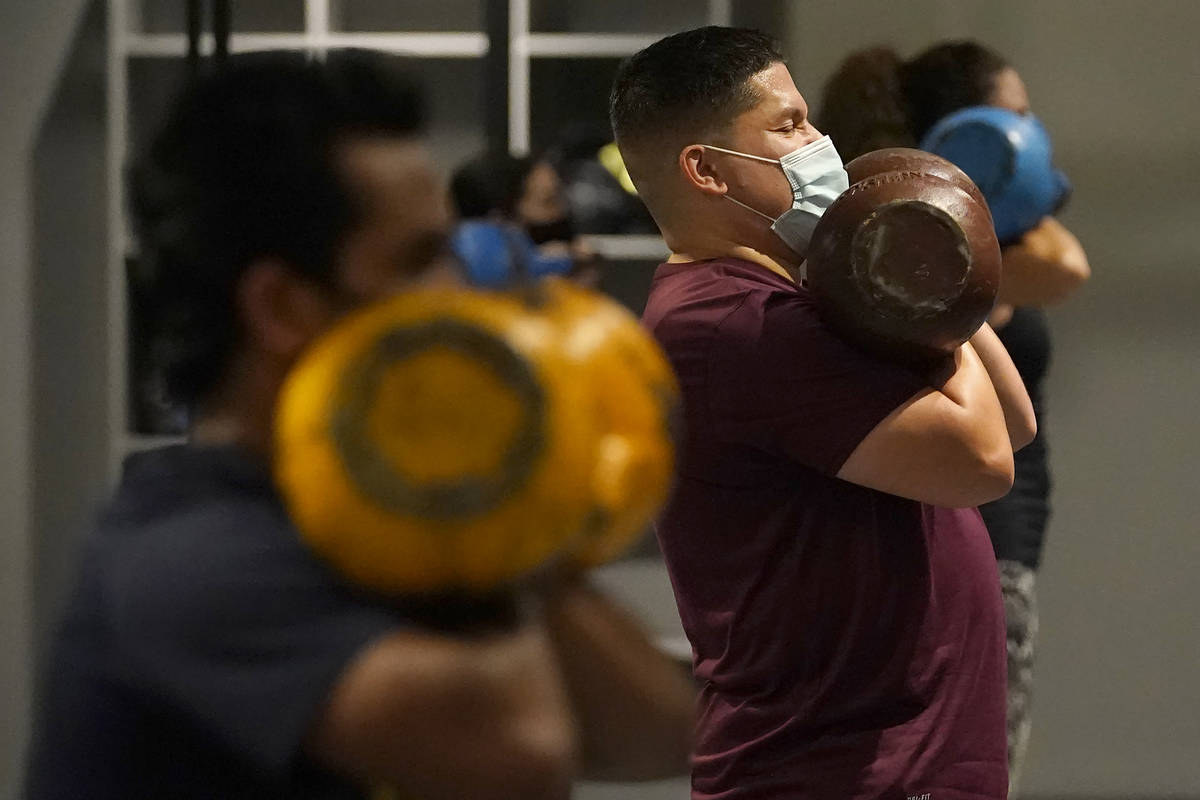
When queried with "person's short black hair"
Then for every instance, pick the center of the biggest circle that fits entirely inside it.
(695, 82)
(245, 168)
(876, 99)
(947, 77)
(490, 183)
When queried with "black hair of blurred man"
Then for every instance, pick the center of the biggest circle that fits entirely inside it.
(276, 198)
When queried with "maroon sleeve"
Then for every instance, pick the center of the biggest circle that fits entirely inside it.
(780, 381)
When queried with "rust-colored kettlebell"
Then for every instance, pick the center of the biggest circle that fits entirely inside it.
(905, 263)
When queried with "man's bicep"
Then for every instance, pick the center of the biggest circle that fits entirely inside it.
(892, 451)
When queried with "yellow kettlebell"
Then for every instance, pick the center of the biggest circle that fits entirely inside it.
(439, 441)
(632, 394)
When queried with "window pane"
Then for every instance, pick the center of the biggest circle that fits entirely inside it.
(619, 16)
(256, 16)
(569, 95)
(153, 83)
(408, 15)
(454, 92)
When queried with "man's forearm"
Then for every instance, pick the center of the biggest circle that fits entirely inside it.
(1010, 389)
(635, 706)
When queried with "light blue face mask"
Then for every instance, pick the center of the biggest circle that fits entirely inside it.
(817, 176)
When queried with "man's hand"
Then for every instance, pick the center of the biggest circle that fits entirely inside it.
(1010, 389)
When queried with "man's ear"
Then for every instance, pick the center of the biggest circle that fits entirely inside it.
(280, 311)
(700, 171)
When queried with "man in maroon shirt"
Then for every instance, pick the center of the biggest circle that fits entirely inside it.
(831, 571)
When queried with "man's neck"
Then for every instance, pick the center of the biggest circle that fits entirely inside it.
(788, 271)
(241, 412)
(227, 429)
(761, 247)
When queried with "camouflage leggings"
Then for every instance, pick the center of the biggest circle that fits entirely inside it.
(1020, 611)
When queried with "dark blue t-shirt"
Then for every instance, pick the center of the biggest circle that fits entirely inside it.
(199, 644)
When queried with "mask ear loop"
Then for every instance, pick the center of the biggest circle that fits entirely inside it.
(748, 208)
(764, 159)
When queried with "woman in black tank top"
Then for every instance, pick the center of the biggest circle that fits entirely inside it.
(876, 99)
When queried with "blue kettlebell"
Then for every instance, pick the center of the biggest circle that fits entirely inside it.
(496, 255)
(1008, 156)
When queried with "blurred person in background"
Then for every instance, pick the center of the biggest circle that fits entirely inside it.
(527, 192)
(602, 198)
(874, 100)
(206, 651)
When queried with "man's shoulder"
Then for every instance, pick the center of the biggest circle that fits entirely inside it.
(187, 490)
(178, 545)
(184, 505)
(730, 295)
(719, 276)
